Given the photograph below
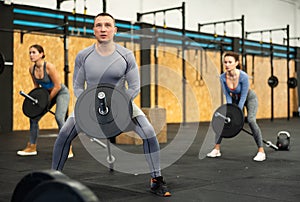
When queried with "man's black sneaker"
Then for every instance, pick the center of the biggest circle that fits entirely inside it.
(159, 187)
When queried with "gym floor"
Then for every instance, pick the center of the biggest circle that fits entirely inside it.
(234, 177)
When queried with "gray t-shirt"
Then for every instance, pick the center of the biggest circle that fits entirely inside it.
(118, 68)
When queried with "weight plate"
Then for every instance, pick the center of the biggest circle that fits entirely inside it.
(231, 128)
(91, 122)
(33, 110)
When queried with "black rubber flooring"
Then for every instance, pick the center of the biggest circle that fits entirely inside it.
(234, 177)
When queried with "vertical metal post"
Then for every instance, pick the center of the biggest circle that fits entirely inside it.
(253, 66)
(272, 88)
(297, 70)
(288, 69)
(155, 68)
(145, 72)
(221, 71)
(66, 52)
(244, 66)
(104, 6)
(183, 66)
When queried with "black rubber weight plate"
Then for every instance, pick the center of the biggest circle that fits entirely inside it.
(61, 190)
(32, 110)
(30, 181)
(231, 129)
(112, 124)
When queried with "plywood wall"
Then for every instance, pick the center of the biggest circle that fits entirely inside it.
(54, 51)
(53, 47)
(203, 95)
(262, 71)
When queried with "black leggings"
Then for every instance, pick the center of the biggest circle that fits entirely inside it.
(141, 126)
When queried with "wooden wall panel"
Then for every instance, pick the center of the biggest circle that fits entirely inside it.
(54, 51)
(201, 100)
(53, 47)
(262, 71)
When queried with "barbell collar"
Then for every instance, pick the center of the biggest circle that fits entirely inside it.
(103, 109)
(110, 159)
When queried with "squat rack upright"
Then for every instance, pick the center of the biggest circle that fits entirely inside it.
(287, 29)
(182, 8)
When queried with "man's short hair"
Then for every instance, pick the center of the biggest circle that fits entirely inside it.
(105, 14)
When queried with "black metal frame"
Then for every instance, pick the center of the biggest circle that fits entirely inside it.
(182, 8)
(23, 15)
(287, 29)
(242, 20)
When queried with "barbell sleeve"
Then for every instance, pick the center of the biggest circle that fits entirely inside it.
(110, 158)
(98, 142)
(227, 119)
(270, 144)
(103, 109)
(35, 101)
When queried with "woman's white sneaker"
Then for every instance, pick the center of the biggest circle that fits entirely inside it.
(260, 156)
(214, 153)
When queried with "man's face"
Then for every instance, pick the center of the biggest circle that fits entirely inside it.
(104, 29)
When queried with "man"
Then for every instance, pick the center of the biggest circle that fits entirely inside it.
(107, 62)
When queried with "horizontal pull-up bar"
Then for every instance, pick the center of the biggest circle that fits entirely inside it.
(292, 38)
(242, 20)
(6, 30)
(42, 29)
(220, 22)
(139, 15)
(267, 30)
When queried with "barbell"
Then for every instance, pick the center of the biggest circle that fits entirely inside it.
(228, 121)
(36, 102)
(102, 111)
(3, 63)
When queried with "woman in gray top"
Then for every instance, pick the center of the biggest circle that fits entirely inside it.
(45, 75)
(108, 62)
